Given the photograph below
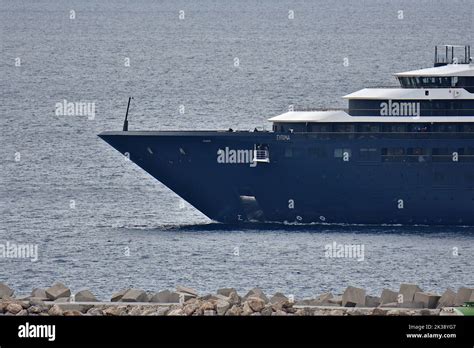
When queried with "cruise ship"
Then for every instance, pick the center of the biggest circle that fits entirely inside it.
(401, 155)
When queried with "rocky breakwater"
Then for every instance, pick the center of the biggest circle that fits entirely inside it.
(58, 300)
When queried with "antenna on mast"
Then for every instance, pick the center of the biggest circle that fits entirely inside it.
(125, 122)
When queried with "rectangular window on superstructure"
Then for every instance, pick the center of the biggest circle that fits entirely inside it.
(368, 154)
(395, 128)
(368, 128)
(341, 153)
(419, 128)
(344, 127)
(444, 154)
(417, 154)
(321, 128)
(439, 108)
(407, 82)
(393, 154)
(466, 154)
(449, 128)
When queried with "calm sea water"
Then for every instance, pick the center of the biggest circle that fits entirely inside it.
(102, 223)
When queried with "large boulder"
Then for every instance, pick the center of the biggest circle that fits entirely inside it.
(246, 310)
(256, 303)
(55, 311)
(34, 301)
(176, 312)
(39, 294)
(256, 292)
(447, 299)
(185, 290)
(3, 306)
(5, 291)
(14, 308)
(408, 292)
(278, 297)
(192, 308)
(222, 307)
(74, 306)
(388, 296)
(428, 299)
(37, 309)
(353, 296)
(371, 301)
(267, 311)
(58, 290)
(463, 295)
(113, 311)
(116, 297)
(234, 298)
(234, 311)
(85, 296)
(208, 305)
(134, 295)
(160, 311)
(95, 311)
(226, 291)
(336, 301)
(324, 298)
(282, 305)
(165, 296)
(220, 297)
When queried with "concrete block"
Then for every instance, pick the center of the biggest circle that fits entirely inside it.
(429, 300)
(256, 292)
(186, 290)
(371, 301)
(118, 295)
(85, 296)
(134, 295)
(388, 296)
(58, 290)
(447, 299)
(5, 291)
(463, 295)
(353, 296)
(408, 292)
(165, 296)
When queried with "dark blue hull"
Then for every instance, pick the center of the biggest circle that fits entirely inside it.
(312, 178)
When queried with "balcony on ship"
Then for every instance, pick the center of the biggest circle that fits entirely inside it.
(261, 153)
(452, 54)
